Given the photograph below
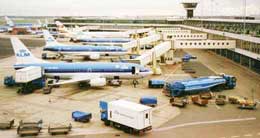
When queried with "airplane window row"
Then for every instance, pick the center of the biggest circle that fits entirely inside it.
(204, 43)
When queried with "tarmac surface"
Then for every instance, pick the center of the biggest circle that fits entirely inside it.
(204, 122)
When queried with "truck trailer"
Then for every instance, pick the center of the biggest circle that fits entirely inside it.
(198, 85)
(130, 117)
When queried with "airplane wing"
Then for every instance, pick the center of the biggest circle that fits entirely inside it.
(92, 79)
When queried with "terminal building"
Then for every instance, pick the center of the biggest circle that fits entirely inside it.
(245, 31)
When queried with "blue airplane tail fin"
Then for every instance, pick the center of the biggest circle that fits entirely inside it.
(22, 54)
(9, 22)
(49, 39)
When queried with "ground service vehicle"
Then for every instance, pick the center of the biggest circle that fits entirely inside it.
(130, 117)
(197, 100)
(197, 85)
(81, 116)
(179, 101)
(6, 124)
(149, 101)
(247, 104)
(156, 83)
(29, 128)
(61, 129)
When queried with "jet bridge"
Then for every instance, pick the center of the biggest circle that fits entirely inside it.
(143, 41)
(185, 36)
(204, 44)
(151, 55)
(175, 31)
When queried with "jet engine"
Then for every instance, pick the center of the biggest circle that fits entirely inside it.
(94, 56)
(97, 82)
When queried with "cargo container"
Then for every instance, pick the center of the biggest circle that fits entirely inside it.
(130, 117)
(198, 101)
(149, 101)
(28, 74)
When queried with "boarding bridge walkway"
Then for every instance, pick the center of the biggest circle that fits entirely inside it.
(196, 41)
(155, 52)
(142, 41)
(184, 36)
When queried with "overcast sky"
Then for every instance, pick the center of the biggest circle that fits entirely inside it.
(123, 7)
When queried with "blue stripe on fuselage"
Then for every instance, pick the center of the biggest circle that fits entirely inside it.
(84, 49)
(89, 67)
(105, 40)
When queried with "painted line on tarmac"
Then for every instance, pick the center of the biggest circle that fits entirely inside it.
(248, 135)
(203, 122)
(235, 136)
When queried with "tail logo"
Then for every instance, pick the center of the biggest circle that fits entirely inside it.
(23, 53)
(49, 39)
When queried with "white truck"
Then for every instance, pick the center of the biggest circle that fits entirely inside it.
(130, 117)
(28, 74)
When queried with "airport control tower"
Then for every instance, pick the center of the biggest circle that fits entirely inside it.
(190, 6)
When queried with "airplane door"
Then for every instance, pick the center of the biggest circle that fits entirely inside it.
(135, 70)
(147, 119)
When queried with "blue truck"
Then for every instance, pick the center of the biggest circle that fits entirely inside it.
(149, 101)
(81, 116)
(156, 83)
(188, 57)
(197, 85)
(25, 88)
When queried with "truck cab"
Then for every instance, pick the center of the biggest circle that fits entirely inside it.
(230, 81)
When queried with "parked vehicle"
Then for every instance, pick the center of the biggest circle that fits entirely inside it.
(115, 82)
(197, 100)
(197, 85)
(207, 95)
(61, 129)
(234, 99)
(156, 83)
(6, 124)
(247, 104)
(9, 81)
(220, 100)
(81, 116)
(29, 128)
(28, 74)
(179, 101)
(31, 86)
(130, 117)
(149, 101)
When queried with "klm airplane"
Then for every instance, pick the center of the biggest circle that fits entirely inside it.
(92, 73)
(10, 23)
(92, 52)
(93, 37)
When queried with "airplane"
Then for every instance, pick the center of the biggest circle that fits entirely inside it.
(10, 23)
(93, 74)
(77, 35)
(92, 52)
